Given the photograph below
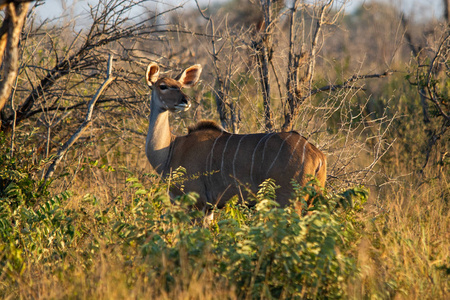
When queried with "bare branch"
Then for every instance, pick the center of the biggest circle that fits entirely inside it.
(84, 125)
(219, 84)
(346, 84)
(314, 45)
(111, 23)
(298, 85)
(442, 47)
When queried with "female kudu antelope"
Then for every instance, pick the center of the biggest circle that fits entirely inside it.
(219, 163)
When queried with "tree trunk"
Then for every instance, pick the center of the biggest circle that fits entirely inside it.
(9, 52)
(447, 11)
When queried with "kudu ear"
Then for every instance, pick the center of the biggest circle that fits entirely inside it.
(190, 76)
(152, 74)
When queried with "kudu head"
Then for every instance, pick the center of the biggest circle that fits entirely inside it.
(166, 92)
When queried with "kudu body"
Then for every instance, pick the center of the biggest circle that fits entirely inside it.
(218, 163)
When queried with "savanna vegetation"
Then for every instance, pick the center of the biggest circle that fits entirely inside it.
(83, 215)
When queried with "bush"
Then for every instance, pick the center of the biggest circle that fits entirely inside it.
(263, 251)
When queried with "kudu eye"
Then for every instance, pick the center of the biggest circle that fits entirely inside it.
(163, 87)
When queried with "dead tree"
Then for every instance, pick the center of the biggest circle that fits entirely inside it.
(430, 77)
(15, 15)
(226, 106)
(87, 121)
(263, 47)
(301, 64)
(447, 10)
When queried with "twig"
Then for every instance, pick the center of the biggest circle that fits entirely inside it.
(219, 93)
(75, 106)
(442, 47)
(315, 41)
(87, 121)
(346, 84)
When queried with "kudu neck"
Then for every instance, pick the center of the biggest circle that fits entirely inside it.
(159, 136)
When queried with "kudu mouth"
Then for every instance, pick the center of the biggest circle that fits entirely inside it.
(182, 107)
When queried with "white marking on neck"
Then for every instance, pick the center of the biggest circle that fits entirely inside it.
(169, 157)
(158, 138)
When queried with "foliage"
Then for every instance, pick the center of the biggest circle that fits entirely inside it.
(34, 227)
(263, 250)
(105, 228)
(17, 176)
(158, 247)
(274, 253)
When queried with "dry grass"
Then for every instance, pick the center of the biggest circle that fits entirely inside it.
(400, 247)
(404, 251)
(112, 276)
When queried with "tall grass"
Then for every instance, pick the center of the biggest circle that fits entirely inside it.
(141, 245)
(404, 251)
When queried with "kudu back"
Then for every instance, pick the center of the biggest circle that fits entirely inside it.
(220, 164)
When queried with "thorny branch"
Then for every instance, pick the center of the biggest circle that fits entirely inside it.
(443, 47)
(430, 91)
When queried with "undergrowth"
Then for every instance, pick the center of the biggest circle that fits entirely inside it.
(145, 245)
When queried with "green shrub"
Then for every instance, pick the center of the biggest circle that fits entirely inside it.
(263, 251)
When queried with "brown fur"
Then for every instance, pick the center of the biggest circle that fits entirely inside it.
(218, 164)
(205, 125)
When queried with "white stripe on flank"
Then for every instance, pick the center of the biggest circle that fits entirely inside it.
(253, 156)
(278, 154)
(211, 155)
(234, 159)
(265, 145)
(303, 159)
(223, 156)
(295, 149)
(304, 150)
(209, 160)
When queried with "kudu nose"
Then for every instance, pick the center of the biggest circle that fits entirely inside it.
(184, 104)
